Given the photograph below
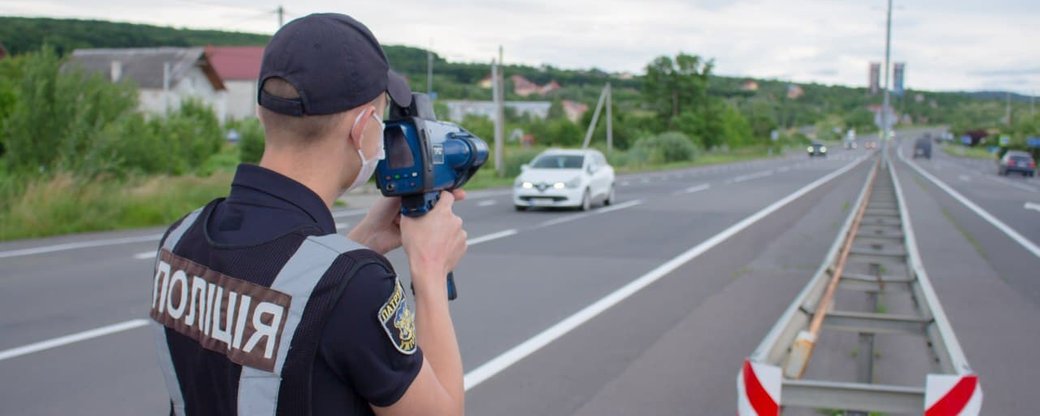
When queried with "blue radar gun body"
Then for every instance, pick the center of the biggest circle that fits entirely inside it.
(425, 156)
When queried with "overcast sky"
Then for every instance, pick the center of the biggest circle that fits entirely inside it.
(947, 44)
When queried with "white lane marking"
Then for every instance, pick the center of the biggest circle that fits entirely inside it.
(73, 338)
(572, 217)
(342, 225)
(783, 169)
(145, 255)
(645, 180)
(1034, 206)
(493, 236)
(750, 176)
(83, 244)
(1024, 242)
(619, 207)
(519, 352)
(624, 183)
(692, 189)
(1026, 188)
(486, 203)
(563, 219)
(964, 178)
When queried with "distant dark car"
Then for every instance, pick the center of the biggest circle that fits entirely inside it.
(817, 149)
(923, 148)
(1016, 161)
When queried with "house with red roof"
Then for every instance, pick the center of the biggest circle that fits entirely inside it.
(239, 68)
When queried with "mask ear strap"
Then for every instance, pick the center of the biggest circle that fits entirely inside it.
(358, 127)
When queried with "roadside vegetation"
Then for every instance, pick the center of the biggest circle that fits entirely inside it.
(77, 156)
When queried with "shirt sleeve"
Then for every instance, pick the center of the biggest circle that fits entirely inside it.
(361, 344)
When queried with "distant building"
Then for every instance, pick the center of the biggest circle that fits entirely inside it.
(239, 67)
(794, 91)
(523, 87)
(749, 85)
(574, 110)
(874, 80)
(3, 51)
(459, 109)
(165, 77)
(898, 77)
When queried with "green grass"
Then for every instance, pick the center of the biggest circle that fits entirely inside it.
(65, 204)
(968, 152)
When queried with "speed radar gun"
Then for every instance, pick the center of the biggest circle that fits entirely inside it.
(424, 157)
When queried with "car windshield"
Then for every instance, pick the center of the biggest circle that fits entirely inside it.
(558, 162)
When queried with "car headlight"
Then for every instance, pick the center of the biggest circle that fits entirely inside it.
(527, 185)
(823, 149)
(573, 183)
(558, 185)
(809, 149)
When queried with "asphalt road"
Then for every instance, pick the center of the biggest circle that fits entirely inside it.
(645, 307)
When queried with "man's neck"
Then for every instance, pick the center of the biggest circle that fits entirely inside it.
(305, 170)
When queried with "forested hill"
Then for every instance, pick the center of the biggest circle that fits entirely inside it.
(22, 34)
(460, 80)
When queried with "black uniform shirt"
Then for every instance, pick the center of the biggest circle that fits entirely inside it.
(357, 363)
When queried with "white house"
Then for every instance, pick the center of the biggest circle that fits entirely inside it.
(239, 68)
(459, 109)
(165, 76)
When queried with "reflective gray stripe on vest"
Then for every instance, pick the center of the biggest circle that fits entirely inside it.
(165, 360)
(258, 389)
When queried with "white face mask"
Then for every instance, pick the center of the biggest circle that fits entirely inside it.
(368, 166)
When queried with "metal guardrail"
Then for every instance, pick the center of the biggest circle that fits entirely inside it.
(881, 241)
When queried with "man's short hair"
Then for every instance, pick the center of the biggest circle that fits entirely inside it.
(303, 128)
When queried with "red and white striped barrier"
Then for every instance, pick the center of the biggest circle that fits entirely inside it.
(952, 395)
(758, 390)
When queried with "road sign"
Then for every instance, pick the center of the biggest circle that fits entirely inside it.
(1033, 142)
(1005, 140)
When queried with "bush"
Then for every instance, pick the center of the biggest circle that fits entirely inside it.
(514, 158)
(666, 147)
(250, 141)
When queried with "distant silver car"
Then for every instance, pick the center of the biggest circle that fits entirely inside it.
(565, 178)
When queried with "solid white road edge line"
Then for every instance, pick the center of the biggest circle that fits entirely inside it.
(83, 244)
(69, 339)
(519, 352)
(1024, 242)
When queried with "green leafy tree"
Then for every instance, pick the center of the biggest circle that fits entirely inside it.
(676, 86)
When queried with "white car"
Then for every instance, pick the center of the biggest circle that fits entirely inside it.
(565, 178)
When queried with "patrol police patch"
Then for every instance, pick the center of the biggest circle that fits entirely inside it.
(399, 321)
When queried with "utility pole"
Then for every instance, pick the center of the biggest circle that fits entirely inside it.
(280, 11)
(500, 114)
(610, 120)
(885, 128)
(1007, 109)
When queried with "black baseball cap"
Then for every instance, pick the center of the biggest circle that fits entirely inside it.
(334, 62)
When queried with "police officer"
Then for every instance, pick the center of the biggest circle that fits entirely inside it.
(260, 308)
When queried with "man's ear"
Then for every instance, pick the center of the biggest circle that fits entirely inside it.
(357, 130)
